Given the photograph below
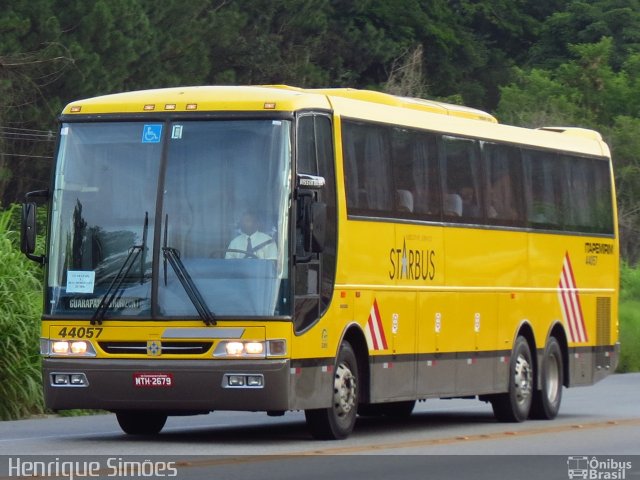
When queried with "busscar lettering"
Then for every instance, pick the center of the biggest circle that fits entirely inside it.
(593, 249)
(412, 264)
(598, 248)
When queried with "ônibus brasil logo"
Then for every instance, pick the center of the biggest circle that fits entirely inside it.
(596, 469)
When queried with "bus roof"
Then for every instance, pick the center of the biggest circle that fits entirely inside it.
(200, 99)
(406, 102)
(252, 98)
(347, 102)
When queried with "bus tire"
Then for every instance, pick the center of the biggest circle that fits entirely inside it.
(546, 400)
(141, 423)
(515, 405)
(337, 421)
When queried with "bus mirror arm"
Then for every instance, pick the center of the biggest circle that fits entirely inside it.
(29, 226)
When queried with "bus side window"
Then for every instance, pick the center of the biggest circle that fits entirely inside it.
(462, 173)
(541, 174)
(502, 164)
(367, 169)
(415, 174)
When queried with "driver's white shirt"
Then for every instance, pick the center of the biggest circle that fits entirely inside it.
(263, 246)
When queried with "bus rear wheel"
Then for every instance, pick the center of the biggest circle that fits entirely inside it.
(337, 421)
(546, 400)
(141, 423)
(515, 405)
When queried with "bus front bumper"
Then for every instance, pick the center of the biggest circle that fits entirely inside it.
(177, 386)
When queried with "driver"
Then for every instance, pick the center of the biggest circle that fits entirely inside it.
(251, 243)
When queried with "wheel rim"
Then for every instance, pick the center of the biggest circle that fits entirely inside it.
(523, 380)
(552, 381)
(345, 394)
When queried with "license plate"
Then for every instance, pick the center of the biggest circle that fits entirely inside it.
(153, 380)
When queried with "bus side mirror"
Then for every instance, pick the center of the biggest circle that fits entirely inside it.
(312, 216)
(28, 233)
(29, 227)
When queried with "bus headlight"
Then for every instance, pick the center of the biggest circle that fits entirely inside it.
(254, 348)
(65, 348)
(234, 348)
(251, 349)
(60, 348)
(79, 348)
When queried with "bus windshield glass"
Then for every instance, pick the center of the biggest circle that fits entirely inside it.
(129, 195)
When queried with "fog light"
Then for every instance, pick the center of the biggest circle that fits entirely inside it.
(78, 379)
(60, 379)
(254, 380)
(236, 380)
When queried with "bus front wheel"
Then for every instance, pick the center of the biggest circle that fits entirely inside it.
(141, 423)
(337, 421)
(515, 405)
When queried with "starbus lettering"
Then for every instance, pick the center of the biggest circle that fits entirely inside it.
(412, 264)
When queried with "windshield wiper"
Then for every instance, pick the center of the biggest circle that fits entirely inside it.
(112, 291)
(173, 255)
(144, 246)
(116, 283)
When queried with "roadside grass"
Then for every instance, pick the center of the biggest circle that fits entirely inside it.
(20, 306)
(629, 316)
(629, 336)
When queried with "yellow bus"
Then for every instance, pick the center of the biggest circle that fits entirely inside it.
(337, 251)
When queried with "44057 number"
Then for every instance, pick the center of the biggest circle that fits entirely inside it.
(80, 332)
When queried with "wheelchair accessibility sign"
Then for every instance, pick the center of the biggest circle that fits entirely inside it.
(152, 133)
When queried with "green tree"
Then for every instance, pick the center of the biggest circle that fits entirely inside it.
(175, 48)
(261, 42)
(106, 39)
(586, 22)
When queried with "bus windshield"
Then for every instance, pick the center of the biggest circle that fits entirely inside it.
(129, 196)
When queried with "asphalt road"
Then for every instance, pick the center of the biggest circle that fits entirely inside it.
(600, 422)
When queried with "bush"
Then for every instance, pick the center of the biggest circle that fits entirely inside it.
(629, 336)
(629, 315)
(20, 309)
(629, 283)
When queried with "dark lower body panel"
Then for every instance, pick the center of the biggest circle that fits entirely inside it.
(196, 385)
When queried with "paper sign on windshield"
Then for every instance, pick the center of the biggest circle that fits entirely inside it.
(80, 281)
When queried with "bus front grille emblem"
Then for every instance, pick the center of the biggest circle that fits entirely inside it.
(154, 348)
